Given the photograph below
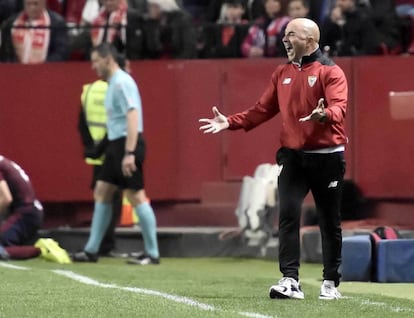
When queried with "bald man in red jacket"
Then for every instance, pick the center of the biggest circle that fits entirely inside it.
(311, 94)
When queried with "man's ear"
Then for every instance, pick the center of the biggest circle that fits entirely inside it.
(310, 40)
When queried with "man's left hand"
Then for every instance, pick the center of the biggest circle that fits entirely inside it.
(318, 114)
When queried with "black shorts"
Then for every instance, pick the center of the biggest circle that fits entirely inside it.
(95, 173)
(111, 170)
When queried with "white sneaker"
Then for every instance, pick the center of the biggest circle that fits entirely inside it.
(287, 287)
(329, 291)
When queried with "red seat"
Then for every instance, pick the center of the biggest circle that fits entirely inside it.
(74, 10)
(55, 6)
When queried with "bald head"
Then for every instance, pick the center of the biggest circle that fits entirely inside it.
(309, 28)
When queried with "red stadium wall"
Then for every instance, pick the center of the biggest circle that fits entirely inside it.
(384, 144)
(39, 106)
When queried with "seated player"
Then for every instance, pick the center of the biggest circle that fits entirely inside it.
(21, 214)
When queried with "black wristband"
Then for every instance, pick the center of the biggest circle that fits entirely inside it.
(129, 153)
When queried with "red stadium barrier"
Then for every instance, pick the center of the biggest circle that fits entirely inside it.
(40, 104)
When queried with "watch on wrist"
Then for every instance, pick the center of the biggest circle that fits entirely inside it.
(129, 153)
(323, 118)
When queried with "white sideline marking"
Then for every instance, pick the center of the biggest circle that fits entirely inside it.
(175, 298)
(7, 265)
(185, 300)
(89, 281)
(83, 279)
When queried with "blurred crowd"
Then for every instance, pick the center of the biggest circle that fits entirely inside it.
(38, 31)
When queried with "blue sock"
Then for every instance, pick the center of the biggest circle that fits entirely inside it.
(100, 222)
(149, 228)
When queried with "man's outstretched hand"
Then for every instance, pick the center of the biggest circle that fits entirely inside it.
(318, 114)
(215, 125)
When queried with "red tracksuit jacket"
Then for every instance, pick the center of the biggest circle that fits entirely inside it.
(294, 91)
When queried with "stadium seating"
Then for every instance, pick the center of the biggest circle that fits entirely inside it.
(73, 12)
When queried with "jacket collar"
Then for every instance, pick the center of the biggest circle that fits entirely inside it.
(307, 59)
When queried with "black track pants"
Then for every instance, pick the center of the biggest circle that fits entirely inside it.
(323, 175)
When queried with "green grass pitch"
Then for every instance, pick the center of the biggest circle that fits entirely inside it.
(184, 287)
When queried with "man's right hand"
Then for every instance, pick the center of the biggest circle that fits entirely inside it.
(216, 124)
